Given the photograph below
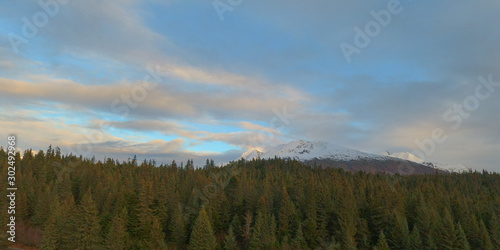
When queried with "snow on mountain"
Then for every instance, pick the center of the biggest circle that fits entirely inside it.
(310, 150)
(307, 150)
(253, 153)
(410, 157)
(405, 156)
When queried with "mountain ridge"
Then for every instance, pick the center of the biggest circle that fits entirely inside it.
(327, 154)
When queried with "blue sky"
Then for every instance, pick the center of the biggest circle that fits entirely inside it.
(171, 80)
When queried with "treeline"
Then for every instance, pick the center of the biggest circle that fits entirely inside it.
(69, 202)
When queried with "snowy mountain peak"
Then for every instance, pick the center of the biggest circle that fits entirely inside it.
(308, 150)
(253, 153)
(405, 156)
(410, 157)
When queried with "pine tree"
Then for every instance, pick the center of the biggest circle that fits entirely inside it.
(236, 227)
(399, 233)
(286, 215)
(202, 236)
(117, 236)
(461, 242)
(447, 232)
(67, 215)
(415, 242)
(347, 218)
(381, 243)
(264, 232)
(484, 237)
(177, 227)
(495, 231)
(51, 235)
(363, 234)
(247, 229)
(230, 242)
(87, 224)
(311, 225)
(145, 212)
(299, 242)
(157, 237)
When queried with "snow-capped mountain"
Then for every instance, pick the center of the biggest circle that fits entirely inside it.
(410, 157)
(324, 154)
(308, 150)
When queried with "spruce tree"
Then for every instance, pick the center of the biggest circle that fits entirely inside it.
(177, 227)
(415, 242)
(144, 211)
(202, 236)
(264, 232)
(484, 237)
(230, 242)
(461, 242)
(447, 232)
(87, 231)
(51, 235)
(157, 237)
(286, 215)
(299, 242)
(495, 231)
(236, 227)
(117, 237)
(381, 243)
(399, 233)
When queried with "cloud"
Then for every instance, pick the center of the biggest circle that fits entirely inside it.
(160, 102)
(234, 73)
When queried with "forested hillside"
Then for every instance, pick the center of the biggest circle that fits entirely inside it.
(68, 202)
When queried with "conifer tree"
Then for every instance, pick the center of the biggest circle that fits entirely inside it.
(67, 222)
(299, 242)
(415, 242)
(264, 232)
(202, 236)
(382, 242)
(117, 237)
(363, 234)
(399, 233)
(145, 213)
(495, 231)
(230, 242)
(87, 231)
(484, 237)
(447, 232)
(311, 224)
(286, 215)
(236, 227)
(177, 227)
(157, 237)
(51, 235)
(461, 242)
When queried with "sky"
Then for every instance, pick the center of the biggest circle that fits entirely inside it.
(190, 79)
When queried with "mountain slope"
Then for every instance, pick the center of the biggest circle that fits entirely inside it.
(410, 157)
(307, 150)
(326, 154)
